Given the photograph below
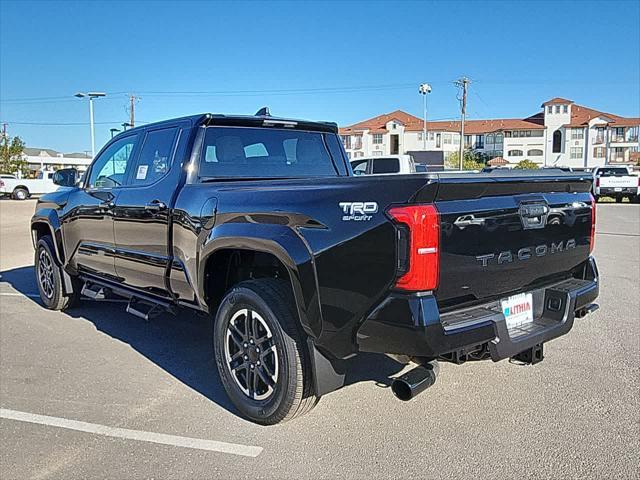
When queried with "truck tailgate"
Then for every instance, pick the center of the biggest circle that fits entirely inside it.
(502, 236)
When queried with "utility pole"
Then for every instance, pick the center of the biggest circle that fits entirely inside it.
(132, 110)
(462, 83)
(4, 130)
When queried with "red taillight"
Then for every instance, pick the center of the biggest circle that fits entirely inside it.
(597, 181)
(423, 243)
(593, 224)
(1, 184)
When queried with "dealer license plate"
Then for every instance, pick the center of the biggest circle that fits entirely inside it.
(518, 309)
(617, 189)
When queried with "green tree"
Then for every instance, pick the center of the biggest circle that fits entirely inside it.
(526, 165)
(11, 159)
(471, 161)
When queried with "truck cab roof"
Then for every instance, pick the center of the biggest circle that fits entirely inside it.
(263, 120)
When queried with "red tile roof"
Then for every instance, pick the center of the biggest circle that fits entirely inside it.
(415, 124)
(556, 100)
(580, 117)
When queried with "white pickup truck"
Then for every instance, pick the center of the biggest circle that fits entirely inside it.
(616, 182)
(386, 165)
(23, 188)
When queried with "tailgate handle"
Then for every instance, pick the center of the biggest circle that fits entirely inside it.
(466, 220)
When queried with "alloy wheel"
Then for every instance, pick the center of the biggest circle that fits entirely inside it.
(251, 354)
(45, 273)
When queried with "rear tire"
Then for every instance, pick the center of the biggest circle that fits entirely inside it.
(20, 194)
(49, 278)
(618, 199)
(274, 383)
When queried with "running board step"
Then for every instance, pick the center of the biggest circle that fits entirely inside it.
(144, 310)
(93, 291)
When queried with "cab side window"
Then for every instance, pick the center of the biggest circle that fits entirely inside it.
(108, 170)
(155, 157)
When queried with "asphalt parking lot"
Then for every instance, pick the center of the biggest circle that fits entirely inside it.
(97, 393)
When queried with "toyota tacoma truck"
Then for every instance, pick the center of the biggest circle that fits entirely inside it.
(259, 223)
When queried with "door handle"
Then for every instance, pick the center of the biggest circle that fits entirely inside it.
(155, 206)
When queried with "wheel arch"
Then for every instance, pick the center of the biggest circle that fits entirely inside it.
(285, 249)
(46, 222)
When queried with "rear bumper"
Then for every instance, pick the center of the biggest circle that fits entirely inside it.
(412, 325)
(613, 192)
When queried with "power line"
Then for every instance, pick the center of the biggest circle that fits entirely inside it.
(65, 124)
(248, 92)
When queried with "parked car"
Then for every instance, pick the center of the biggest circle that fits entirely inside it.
(383, 165)
(259, 223)
(23, 188)
(616, 182)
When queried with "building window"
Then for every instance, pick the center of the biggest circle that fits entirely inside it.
(515, 153)
(618, 134)
(618, 154)
(499, 138)
(575, 153)
(456, 139)
(598, 152)
(357, 144)
(577, 133)
(479, 141)
(420, 136)
(346, 141)
(438, 140)
(557, 141)
(490, 139)
(557, 108)
(565, 108)
(550, 109)
(447, 139)
(431, 136)
(534, 153)
(377, 138)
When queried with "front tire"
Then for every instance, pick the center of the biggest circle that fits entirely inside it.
(618, 199)
(261, 352)
(49, 278)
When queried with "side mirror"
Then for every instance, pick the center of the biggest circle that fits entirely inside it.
(66, 177)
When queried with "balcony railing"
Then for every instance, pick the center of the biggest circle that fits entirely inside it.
(624, 138)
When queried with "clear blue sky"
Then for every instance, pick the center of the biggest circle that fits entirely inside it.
(517, 54)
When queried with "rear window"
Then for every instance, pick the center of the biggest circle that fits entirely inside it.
(264, 153)
(612, 172)
(386, 165)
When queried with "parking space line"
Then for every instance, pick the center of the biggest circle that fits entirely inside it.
(138, 435)
(11, 294)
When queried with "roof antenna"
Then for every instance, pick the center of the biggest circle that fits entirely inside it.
(263, 112)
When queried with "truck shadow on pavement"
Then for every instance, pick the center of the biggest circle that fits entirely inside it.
(181, 344)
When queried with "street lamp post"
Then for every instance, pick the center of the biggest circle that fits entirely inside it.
(125, 125)
(114, 131)
(91, 96)
(425, 89)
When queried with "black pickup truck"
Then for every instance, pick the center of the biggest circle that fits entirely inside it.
(259, 222)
